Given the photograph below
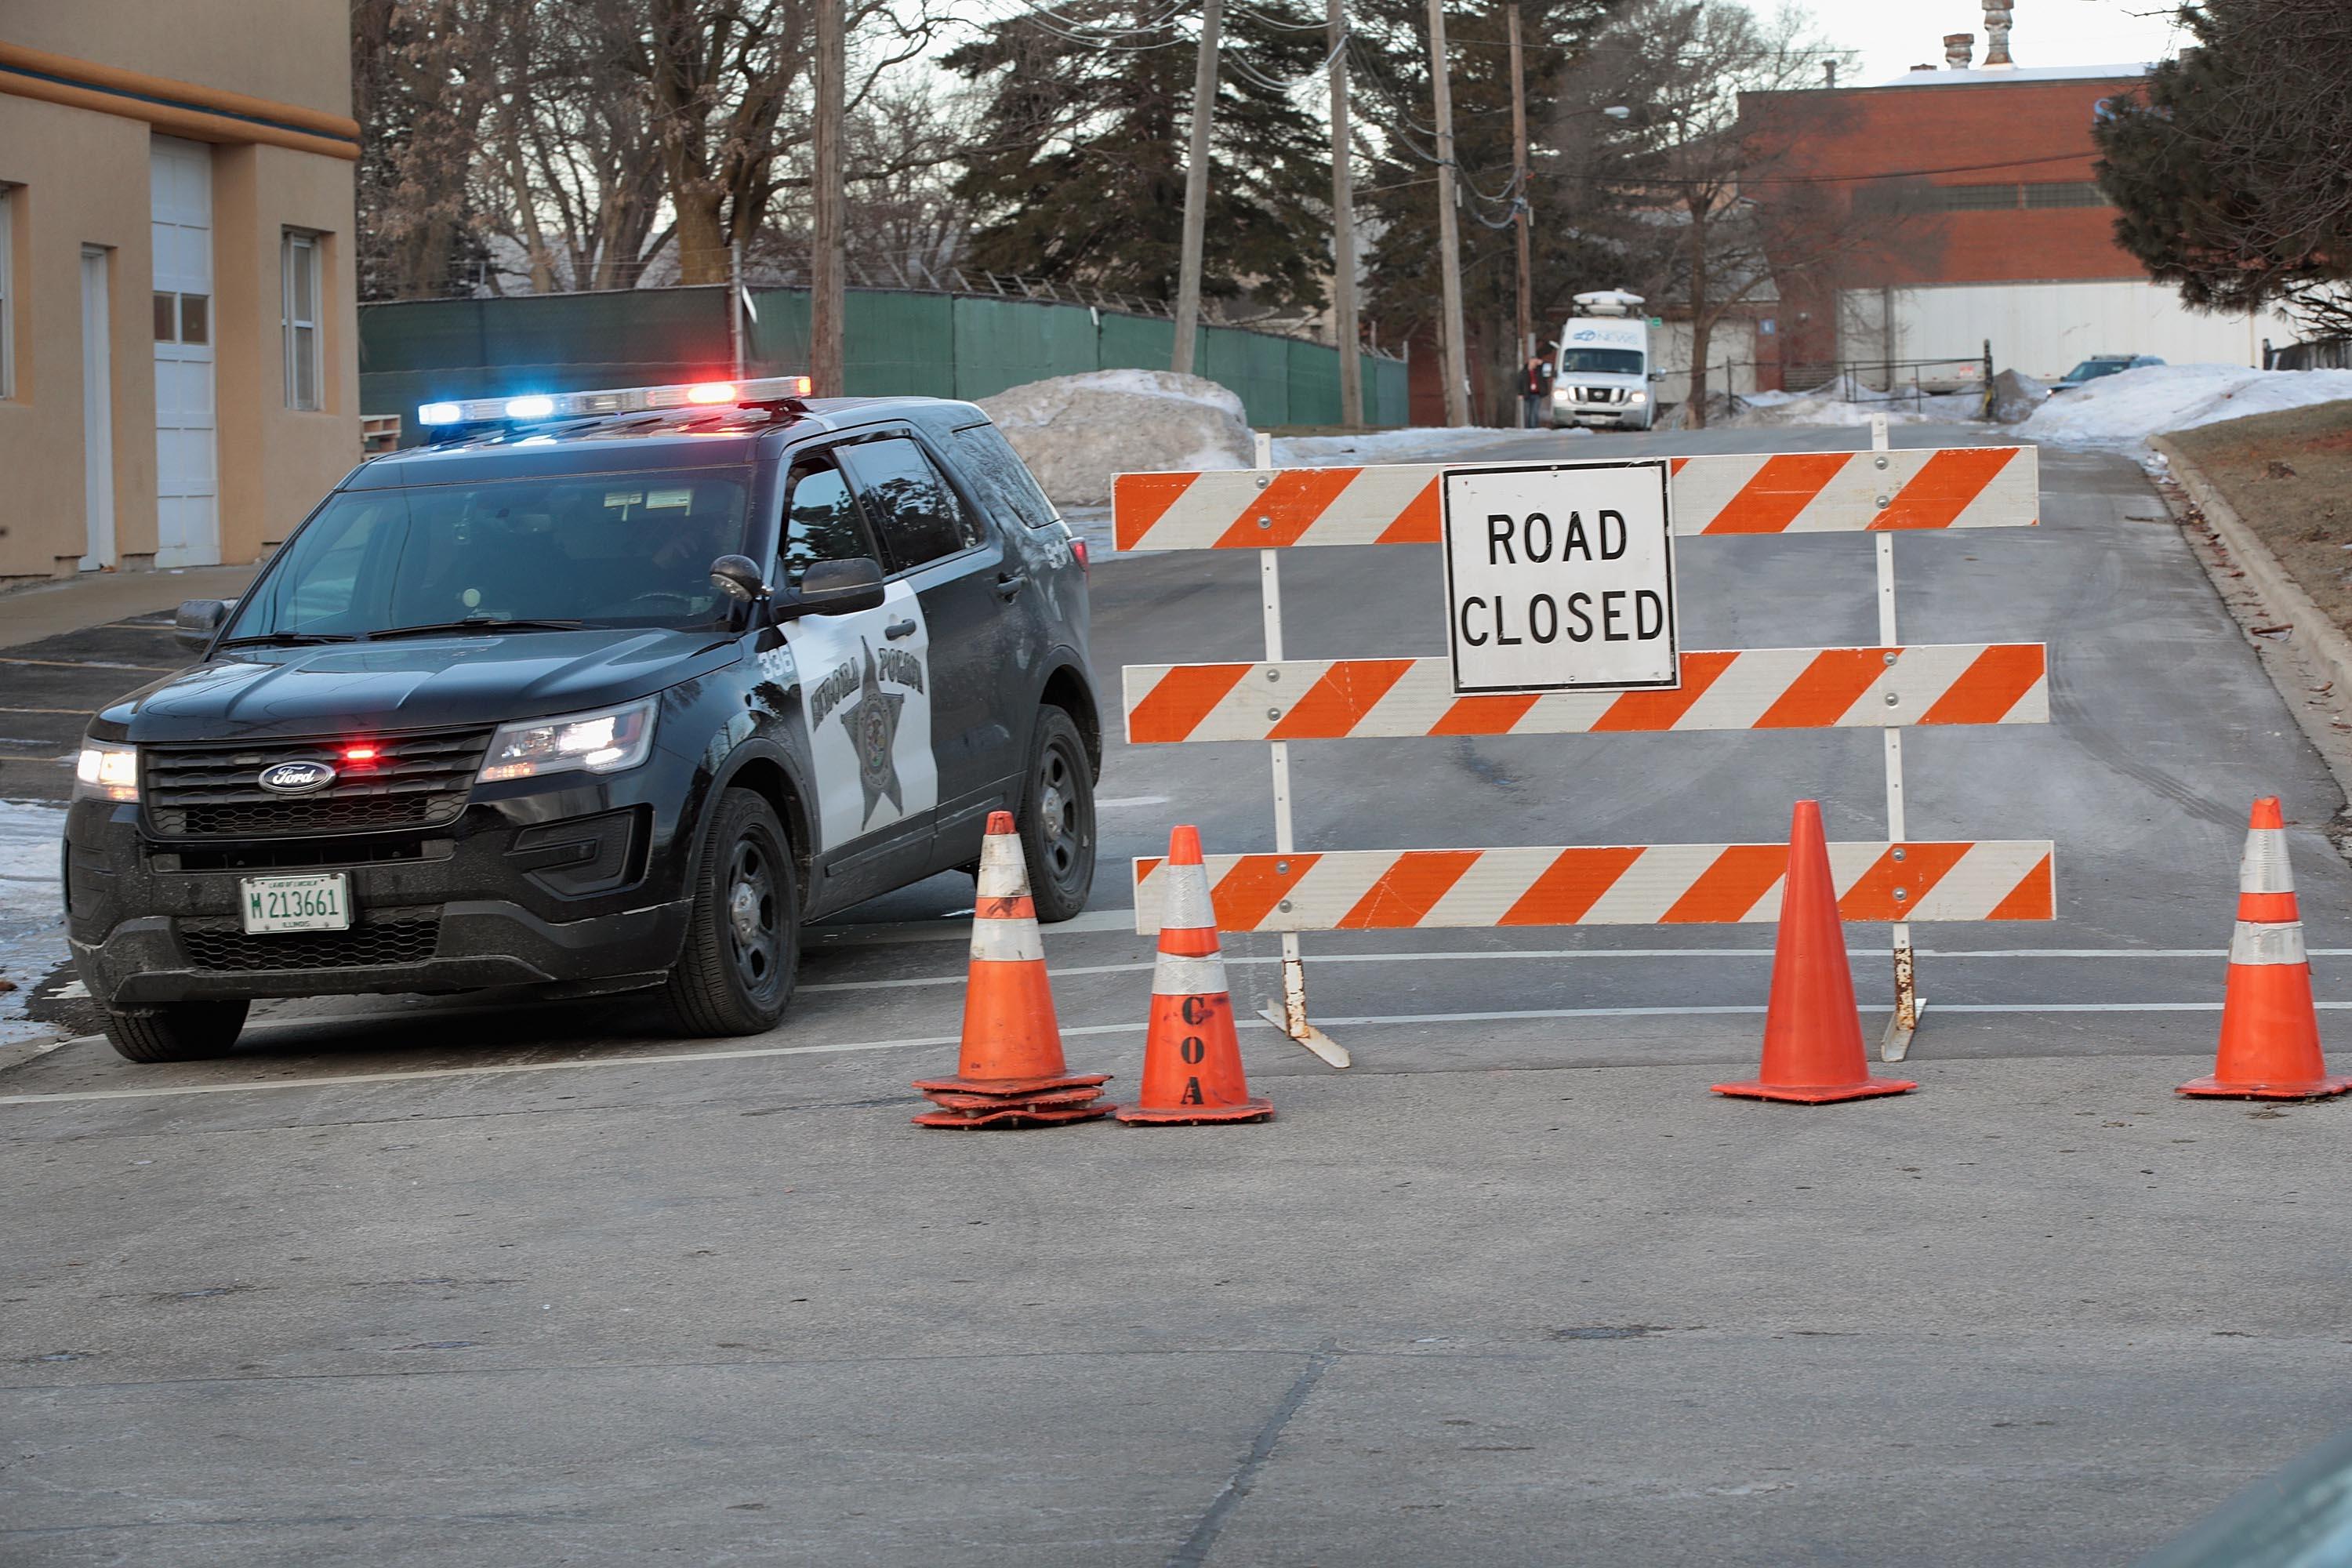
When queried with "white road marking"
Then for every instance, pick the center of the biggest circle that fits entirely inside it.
(750, 1053)
(1128, 800)
(823, 937)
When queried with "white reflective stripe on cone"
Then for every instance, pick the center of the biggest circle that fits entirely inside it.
(2254, 944)
(1004, 874)
(1007, 941)
(1178, 976)
(2264, 869)
(1185, 902)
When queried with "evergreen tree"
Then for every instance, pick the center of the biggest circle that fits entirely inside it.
(1078, 174)
(2230, 173)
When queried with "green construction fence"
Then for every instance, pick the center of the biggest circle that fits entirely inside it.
(896, 342)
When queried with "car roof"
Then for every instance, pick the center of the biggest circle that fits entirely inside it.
(730, 436)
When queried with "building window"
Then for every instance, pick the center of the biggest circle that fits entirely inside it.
(183, 318)
(7, 295)
(298, 259)
(2009, 196)
(2066, 193)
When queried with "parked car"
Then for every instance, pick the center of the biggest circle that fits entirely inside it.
(2098, 365)
(596, 692)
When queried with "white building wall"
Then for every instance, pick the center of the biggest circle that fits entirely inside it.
(1670, 352)
(2045, 328)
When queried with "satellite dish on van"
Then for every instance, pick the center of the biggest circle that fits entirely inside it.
(1608, 302)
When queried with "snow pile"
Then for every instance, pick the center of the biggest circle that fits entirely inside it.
(1076, 431)
(1841, 404)
(32, 908)
(1419, 443)
(2124, 409)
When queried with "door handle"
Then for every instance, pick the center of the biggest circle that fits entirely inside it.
(1011, 582)
(898, 629)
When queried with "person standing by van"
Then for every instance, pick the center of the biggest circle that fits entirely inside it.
(1535, 387)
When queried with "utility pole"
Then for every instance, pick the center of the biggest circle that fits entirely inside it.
(1453, 360)
(826, 294)
(1196, 190)
(1520, 215)
(1343, 229)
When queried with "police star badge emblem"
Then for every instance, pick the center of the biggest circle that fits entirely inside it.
(872, 722)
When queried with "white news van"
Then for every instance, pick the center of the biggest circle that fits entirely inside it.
(1602, 375)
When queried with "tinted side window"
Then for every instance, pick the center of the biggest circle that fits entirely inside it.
(919, 515)
(821, 523)
(991, 462)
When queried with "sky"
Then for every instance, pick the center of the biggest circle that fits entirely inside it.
(1894, 34)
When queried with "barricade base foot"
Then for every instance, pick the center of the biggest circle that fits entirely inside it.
(1753, 1089)
(2308, 1088)
(1314, 1039)
(1896, 1044)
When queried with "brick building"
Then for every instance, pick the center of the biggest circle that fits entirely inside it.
(1979, 181)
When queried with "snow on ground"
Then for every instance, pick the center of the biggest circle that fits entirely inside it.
(1076, 431)
(2124, 409)
(1415, 444)
(32, 909)
(1825, 406)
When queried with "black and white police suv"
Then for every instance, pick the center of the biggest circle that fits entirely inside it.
(597, 692)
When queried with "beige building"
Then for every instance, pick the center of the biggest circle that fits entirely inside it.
(179, 379)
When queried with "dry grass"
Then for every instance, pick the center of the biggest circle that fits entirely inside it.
(2290, 478)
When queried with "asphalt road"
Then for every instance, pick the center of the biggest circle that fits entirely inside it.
(410, 1282)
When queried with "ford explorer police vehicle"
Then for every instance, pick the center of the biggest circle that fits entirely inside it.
(597, 692)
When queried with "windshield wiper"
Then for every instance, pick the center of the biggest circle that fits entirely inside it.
(477, 624)
(288, 639)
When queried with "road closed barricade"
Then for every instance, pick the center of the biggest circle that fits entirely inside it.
(1560, 582)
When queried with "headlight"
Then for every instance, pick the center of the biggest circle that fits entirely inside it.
(106, 771)
(601, 743)
(1637, 398)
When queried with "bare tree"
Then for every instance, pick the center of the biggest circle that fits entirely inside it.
(420, 81)
(1711, 183)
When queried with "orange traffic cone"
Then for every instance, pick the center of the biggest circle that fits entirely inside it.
(1009, 1070)
(1812, 1033)
(2270, 1031)
(1192, 1062)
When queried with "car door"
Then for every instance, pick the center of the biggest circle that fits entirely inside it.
(865, 688)
(952, 559)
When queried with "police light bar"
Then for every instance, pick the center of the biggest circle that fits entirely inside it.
(531, 408)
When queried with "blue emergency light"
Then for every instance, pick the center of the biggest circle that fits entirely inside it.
(537, 407)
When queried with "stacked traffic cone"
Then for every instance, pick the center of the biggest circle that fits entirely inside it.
(1812, 1033)
(2270, 1031)
(1010, 1071)
(1192, 1062)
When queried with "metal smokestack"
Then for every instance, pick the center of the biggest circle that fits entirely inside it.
(1956, 49)
(1997, 14)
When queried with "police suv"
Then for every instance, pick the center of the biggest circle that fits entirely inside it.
(595, 694)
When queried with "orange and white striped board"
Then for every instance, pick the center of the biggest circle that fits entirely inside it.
(1788, 492)
(1658, 884)
(1752, 688)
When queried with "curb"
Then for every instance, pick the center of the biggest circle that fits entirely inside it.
(2321, 639)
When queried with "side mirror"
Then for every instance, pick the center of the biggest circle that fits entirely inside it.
(1657, 375)
(838, 588)
(738, 577)
(199, 621)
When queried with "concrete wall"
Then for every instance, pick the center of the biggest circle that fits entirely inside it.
(1670, 351)
(2045, 327)
(78, 172)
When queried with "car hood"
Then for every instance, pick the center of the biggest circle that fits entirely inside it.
(410, 684)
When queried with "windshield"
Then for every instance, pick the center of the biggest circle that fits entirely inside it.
(1602, 362)
(600, 549)
(2092, 369)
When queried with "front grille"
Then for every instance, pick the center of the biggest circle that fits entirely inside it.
(215, 792)
(221, 945)
(1597, 393)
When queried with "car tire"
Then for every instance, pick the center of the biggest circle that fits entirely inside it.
(735, 974)
(1057, 818)
(177, 1032)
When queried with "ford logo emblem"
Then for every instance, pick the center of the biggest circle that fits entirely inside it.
(297, 778)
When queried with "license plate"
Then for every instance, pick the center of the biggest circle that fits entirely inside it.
(322, 903)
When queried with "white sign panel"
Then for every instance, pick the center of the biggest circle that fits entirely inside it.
(1561, 577)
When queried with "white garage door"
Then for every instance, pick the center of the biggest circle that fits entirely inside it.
(187, 473)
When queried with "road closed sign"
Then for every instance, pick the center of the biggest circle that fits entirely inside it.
(1561, 577)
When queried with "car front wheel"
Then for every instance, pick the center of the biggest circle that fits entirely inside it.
(177, 1032)
(742, 938)
(1057, 818)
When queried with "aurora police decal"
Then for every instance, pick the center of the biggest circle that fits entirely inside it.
(866, 698)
